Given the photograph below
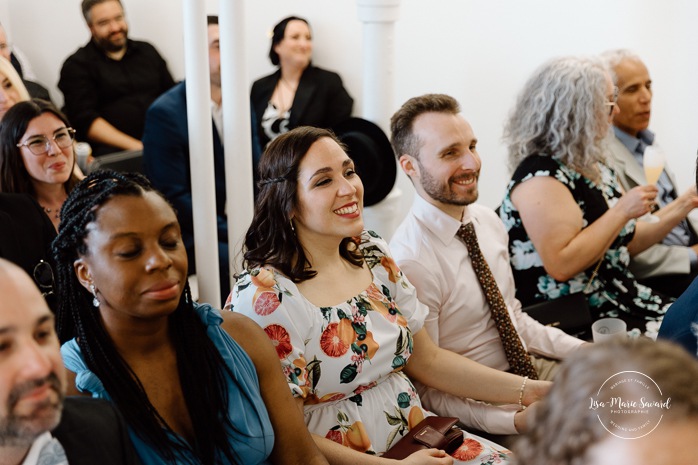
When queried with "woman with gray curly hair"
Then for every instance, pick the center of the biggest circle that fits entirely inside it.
(579, 424)
(571, 227)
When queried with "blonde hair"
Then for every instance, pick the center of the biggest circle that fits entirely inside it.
(8, 70)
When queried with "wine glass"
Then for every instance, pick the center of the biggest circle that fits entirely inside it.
(653, 162)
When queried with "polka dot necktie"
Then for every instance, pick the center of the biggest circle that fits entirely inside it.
(517, 357)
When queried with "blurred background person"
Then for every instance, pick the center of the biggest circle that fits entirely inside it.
(109, 83)
(22, 66)
(568, 218)
(166, 156)
(566, 431)
(12, 89)
(298, 93)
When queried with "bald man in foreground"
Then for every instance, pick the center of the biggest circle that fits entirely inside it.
(38, 425)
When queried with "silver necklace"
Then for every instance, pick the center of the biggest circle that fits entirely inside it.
(49, 211)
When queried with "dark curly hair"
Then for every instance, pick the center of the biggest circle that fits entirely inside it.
(270, 239)
(202, 371)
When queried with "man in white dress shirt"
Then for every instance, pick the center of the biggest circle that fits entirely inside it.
(436, 148)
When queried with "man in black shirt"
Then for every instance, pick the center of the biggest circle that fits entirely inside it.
(109, 83)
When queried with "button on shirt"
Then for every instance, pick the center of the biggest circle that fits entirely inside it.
(436, 262)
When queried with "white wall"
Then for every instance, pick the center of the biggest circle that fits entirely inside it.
(479, 51)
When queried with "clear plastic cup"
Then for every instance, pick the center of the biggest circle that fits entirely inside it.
(608, 328)
(82, 155)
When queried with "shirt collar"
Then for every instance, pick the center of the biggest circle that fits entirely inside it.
(635, 144)
(438, 222)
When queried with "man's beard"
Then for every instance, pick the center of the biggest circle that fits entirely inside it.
(21, 430)
(108, 45)
(442, 192)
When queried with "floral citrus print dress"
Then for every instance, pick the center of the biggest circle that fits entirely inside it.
(614, 292)
(346, 361)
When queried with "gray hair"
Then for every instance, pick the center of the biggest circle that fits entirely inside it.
(560, 113)
(612, 58)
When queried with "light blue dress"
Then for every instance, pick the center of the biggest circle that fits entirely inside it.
(253, 439)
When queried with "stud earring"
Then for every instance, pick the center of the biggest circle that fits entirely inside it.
(292, 227)
(95, 301)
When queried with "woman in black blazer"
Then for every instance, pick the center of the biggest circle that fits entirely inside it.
(298, 93)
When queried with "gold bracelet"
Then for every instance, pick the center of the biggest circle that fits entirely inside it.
(523, 386)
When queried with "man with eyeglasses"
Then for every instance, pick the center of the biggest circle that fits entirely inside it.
(38, 425)
(109, 83)
(670, 266)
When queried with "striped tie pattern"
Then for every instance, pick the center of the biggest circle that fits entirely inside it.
(517, 357)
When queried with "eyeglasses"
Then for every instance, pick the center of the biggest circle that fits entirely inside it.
(39, 145)
(43, 276)
(614, 102)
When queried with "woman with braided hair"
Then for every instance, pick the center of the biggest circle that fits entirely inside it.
(194, 385)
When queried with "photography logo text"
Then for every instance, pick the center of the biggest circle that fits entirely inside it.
(629, 404)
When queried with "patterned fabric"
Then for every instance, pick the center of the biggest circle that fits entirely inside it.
(275, 123)
(517, 357)
(46, 450)
(614, 292)
(346, 360)
(52, 454)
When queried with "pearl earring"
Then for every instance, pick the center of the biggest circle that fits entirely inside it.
(95, 301)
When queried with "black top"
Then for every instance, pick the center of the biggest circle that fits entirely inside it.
(321, 100)
(92, 431)
(26, 234)
(120, 91)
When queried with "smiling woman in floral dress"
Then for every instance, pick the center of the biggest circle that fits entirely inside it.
(345, 321)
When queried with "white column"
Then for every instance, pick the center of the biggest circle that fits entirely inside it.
(201, 150)
(378, 18)
(236, 117)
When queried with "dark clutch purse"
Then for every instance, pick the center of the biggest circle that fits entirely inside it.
(569, 313)
(432, 432)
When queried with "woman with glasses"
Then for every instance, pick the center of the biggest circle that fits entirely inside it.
(571, 227)
(36, 155)
(36, 175)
